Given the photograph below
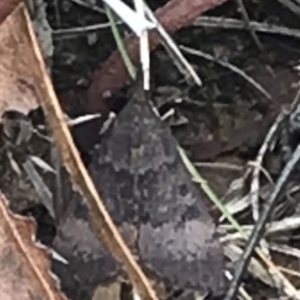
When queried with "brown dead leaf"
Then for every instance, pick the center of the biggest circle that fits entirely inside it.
(24, 265)
(16, 60)
(6, 7)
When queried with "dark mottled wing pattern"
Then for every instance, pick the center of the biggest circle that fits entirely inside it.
(89, 263)
(145, 185)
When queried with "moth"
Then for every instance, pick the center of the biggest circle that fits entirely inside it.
(150, 195)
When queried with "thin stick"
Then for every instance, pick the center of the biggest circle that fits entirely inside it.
(254, 189)
(229, 23)
(248, 24)
(144, 46)
(231, 67)
(174, 52)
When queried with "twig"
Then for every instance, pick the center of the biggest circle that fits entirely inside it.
(144, 46)
(174, 52)
(219, 22)
(89, 4)
(219, 165)
(241, 289)
(254, 189)
(291, 6)
(248, 24)
(75, 32)
(229, 66)
(107, 231)
(289, 271)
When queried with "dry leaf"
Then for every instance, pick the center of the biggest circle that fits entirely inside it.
(24, 265)
(6, 7)
(16, 73)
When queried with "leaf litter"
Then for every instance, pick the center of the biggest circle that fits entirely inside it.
(245, 206)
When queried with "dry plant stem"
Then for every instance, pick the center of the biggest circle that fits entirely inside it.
(113, 73)
(255, 183)
(230, 67)
(248, 25)
(107, 231)
(229, 23)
